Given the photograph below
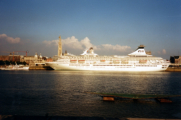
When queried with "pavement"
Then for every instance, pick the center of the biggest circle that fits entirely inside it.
(46, 117)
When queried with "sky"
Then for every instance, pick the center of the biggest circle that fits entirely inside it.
(111, 27)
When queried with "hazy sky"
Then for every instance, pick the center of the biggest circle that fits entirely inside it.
(112, 27)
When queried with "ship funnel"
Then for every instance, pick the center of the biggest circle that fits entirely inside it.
(91, 50)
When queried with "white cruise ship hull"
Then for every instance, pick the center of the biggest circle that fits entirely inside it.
(58, 66)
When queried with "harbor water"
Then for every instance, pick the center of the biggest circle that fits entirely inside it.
(63, 93)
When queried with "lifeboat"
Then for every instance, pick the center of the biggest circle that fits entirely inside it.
(73, 61)
(81, 61)
(142, 61)
(102, 60)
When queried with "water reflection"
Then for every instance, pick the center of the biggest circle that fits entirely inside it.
(62, 93)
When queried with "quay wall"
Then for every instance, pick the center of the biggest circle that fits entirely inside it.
(33, 68)
(40, 68)
(174, 67)
(169, 69)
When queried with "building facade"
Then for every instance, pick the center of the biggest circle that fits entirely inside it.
(34, 60)
(175, 59)
(14, 58)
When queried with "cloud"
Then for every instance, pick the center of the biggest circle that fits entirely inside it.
(115, 47)
(73, 43)
(9, 39)
(86, 43)
(53, 42)
(164, 51)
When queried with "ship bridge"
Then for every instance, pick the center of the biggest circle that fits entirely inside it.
(140, 52)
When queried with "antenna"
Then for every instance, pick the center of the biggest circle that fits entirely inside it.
(178, 53)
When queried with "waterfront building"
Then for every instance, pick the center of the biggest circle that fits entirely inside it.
(175, 59)
(15, 58)
(4, 58)
(49, 60)
(34, 60)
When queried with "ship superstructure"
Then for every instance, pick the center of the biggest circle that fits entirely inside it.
(88, 60)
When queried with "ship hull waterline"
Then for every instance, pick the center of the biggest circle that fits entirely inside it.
(67, 67)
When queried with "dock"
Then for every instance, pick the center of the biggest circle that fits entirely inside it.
(40, 68)
(174, 68)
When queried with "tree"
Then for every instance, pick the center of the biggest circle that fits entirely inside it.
(2, 62)
(7, 62)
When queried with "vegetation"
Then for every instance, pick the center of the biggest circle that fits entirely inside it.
(11, 63)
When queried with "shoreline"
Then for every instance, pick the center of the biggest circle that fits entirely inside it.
(46, 117)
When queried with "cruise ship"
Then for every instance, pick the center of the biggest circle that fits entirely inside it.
(139, 60)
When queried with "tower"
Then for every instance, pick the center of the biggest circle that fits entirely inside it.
(59, 47)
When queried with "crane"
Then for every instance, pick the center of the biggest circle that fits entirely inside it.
(23, 51)
(11, 53)
(16, 52)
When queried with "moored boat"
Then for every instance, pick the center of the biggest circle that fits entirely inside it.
(15, 67)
